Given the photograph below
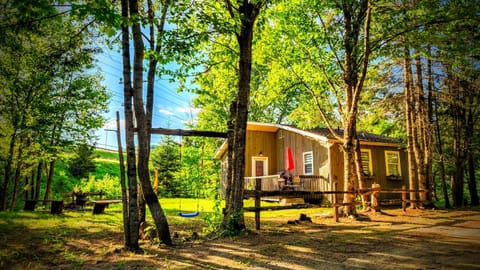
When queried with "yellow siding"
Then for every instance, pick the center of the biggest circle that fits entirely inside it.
(260, 142)
(327, 160)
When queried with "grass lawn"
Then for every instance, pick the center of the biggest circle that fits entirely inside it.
(390, 240)
(28, 237)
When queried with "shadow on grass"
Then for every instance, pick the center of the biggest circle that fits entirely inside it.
(80, 240)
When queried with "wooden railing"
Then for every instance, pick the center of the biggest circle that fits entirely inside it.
(268, 182)
(257, 183)
(273, 182)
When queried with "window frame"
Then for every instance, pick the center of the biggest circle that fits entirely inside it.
(370, 162)
(304, 163)
(387, 170)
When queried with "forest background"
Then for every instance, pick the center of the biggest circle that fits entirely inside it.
(421, 87)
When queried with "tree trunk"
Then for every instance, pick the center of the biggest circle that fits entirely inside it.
(123, 184)
(356, 17)
(472, 181)
(8, 171)
(471, 105)
(409, 107)
(51, 168)
(420, 129)
(441, 162)
(429, 177)
(233, 216)
(350, 176)
(458, 147)
(17, 178)
(143, 134)
(132, 225)
(360, 174)
(38, 181)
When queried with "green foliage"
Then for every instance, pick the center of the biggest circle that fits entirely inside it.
(165, 159)
(214, 219)
(110, 185)
(47, 99)
(82, 162)
(186, 170)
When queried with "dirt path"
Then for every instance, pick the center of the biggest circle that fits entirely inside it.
(417, 239)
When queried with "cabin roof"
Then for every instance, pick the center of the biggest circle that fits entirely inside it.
(362, 136)
(322, 135)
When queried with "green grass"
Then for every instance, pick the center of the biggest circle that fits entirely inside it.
(102, 154)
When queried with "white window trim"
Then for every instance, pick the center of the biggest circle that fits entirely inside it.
(370, 166)
(265, 164)
(399, 163)
(303, 156)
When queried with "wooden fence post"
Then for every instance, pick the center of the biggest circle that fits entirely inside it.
(258, 191)
(335, 205)
(404, 198)
(375, 205)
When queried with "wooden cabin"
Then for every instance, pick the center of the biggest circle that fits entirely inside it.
(318, 159)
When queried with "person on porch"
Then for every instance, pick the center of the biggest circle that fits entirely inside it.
(288, 180)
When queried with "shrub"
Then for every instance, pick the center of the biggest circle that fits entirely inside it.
(110, 185)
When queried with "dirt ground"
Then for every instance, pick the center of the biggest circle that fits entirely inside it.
(392, 239)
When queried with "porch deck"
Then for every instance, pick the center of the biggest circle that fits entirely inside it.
(276, 185)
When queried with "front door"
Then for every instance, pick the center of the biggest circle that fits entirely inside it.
(259, 166)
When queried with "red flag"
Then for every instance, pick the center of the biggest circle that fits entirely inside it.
(289, 160)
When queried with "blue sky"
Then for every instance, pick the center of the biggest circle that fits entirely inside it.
(171, 108)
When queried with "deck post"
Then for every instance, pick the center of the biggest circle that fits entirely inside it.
(335, 202)
(404, 198)
(258, 191)
(375, 205)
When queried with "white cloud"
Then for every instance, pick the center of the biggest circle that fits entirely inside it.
(112, 124)
(189, 110)
(166, 112)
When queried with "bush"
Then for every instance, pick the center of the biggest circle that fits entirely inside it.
(108, 184)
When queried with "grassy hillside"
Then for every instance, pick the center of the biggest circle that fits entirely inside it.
(106, 176)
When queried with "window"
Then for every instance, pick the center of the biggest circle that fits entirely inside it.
(366, 156)
(308, 163)
(392, 161)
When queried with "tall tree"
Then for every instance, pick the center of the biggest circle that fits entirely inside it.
(135, 104)
(243, 15)
(334, 39)
(47, 101)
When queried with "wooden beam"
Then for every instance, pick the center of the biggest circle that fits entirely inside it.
(183, 132)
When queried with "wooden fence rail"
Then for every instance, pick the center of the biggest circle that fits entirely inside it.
(373, 192)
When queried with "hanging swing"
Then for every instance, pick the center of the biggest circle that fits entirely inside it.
(196, 213)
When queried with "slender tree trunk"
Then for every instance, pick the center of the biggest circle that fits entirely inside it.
(472, 181)
(458, 147)
(17, 178)
(429, 177)
(409, 107)
(143, 132)
(441, 161)
(123, 184)
(420, 132)
(471, 100)
(51, 168)
(8, 171)
(38, 181)
(132, 232)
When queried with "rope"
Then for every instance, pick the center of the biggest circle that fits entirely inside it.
(196, 213)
